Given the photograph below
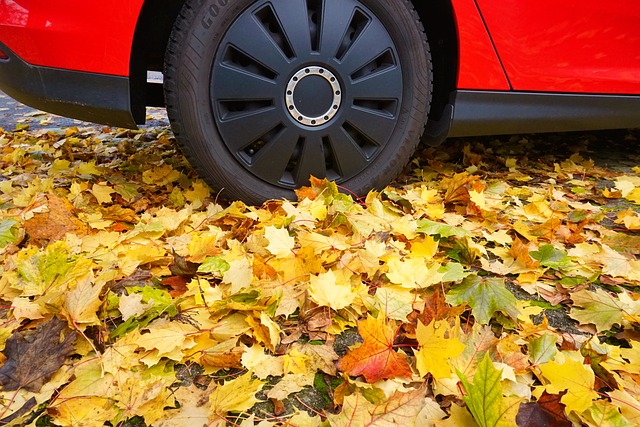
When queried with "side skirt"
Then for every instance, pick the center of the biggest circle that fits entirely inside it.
(492, 113)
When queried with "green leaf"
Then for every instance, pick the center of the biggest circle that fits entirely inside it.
(453, 272)
(543, 349)
(214, 264)
(599, 307)
(484, 397)
(128, 191)
(485, 296)
(603, 413)
(550, 257)
(432, 228)
(51, 270)
(8, 232)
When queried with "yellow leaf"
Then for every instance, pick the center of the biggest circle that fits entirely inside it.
(459, 417)
(82, 303)
(438, 343)
(628, 404)
(425, 248)
(500, 237)
(634, 196)
(24, 308)
(198, 195)
(88, 168)
(59, 165)
(81, 411)
(627, 184)
(160, 175)
(166, 336)
(325, 290)
(413, 273)
(132, 306)
(623, 359)
(193, 410)
(102, 193)
(236, 395)
(256, 359)
(280, 243)
(572, 375)
(239, 275)
(478, 199)
(630, 219)
(203, 245)
(290, 383)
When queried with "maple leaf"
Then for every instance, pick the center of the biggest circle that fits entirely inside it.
(546, 411)
(325, 290)
(8, 232)
(82, 303)
(433, 228)
(34, 357)
(599, 307)
(484, 397)
(543, 349)
(572, 375)
(551, 257)
(319, 187)
(603, 413)
(375, 358)
(485, 296)
(436, 349)
(411, 409)
(236, 395)
(280, 242)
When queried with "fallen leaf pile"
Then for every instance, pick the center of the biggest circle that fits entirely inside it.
(494, 287)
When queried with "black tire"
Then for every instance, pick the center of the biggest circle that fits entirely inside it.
(261, 94)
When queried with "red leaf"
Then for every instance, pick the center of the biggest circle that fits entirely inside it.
(375, 359)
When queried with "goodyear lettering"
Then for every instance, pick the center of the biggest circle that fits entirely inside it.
(212, 12)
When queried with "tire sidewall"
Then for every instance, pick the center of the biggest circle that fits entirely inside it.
(196, 42)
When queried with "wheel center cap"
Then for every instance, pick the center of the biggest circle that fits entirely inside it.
(313, 96)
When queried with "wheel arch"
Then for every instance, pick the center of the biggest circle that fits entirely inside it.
(156, 21)
(439, 21)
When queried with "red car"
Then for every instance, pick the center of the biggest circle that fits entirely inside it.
(262, 94)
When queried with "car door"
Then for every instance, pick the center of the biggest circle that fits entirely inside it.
(588, 46)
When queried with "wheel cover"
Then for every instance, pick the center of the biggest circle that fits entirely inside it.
(306, 87)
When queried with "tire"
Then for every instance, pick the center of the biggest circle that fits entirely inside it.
(262, 94)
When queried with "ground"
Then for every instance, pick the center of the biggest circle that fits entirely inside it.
(495, 282)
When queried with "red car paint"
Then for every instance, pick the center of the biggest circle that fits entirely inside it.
(92, 36)
(531, 45)
(589, 46)
(479, 66)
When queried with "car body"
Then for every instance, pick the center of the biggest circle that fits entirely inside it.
(491, 67)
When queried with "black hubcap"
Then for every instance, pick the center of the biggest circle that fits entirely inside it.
(306, 87)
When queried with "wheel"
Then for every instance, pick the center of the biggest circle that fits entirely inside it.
(262, 94)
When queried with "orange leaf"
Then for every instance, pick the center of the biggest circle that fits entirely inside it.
(375, 359)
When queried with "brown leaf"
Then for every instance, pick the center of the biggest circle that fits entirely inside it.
(182, 267)
(34, 356)
(436, 308)
(458, 188)
(547, 411)
(53, 225)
